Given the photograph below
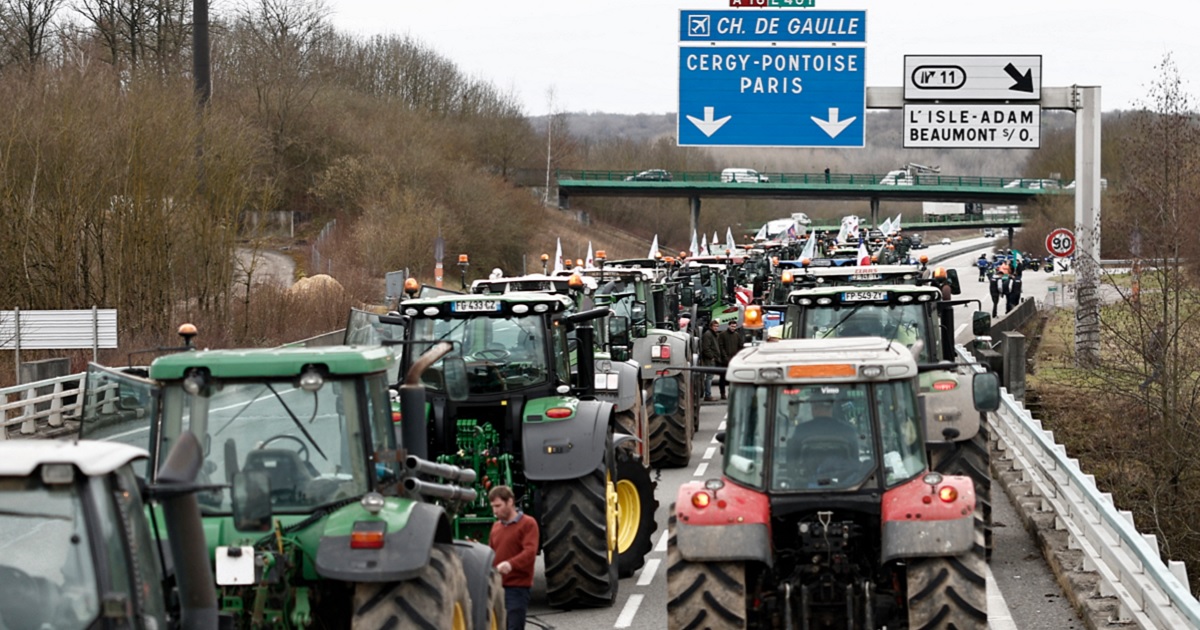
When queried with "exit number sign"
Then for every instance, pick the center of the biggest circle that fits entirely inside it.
(772, 4)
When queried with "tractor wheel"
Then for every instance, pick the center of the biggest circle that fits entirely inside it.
(670, 435)
(948, 592)
(972, 459)
(579, 534)
(497, 613)
(636, 506)
(703, 594)
(437, 598)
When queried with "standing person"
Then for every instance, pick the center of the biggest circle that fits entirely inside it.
(514, 538)
(731, 342)
(994, 288)
(710, 355)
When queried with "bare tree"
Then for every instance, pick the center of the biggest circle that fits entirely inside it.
(26, 28)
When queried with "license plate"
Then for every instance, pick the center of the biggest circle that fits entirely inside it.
(862, 277)
(864, 296)
(477, 306)
(235, 566)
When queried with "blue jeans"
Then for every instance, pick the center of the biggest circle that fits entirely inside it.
(516, 602)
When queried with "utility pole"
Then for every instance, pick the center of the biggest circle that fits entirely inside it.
(201, 68)
(549, 131)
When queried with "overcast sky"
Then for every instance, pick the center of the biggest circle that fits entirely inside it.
(621, 56)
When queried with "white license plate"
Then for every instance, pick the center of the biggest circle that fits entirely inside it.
(864, 296)
(237, 568)
(477, 306)
(863, 277)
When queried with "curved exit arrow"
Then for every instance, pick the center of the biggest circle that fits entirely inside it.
(833, 126)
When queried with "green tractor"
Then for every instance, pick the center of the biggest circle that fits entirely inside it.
(316, 513)
(530, 419)
(918, 317)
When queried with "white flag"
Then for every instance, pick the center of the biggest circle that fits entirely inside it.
(885, 228)
(558, 261)
(810, 248)
(704, 245)
(589, 262)
(761, 235)
(653, 248)
(896, 224)
(695, 247)
(729, 243)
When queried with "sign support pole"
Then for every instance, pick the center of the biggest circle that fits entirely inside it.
(694, 206)
(1087, 226)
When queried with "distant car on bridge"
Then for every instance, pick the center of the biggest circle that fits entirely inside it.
(743, 175)
(652, 175)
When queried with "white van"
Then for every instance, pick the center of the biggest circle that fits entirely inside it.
(743, 175)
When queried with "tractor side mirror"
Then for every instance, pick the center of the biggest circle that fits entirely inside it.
(952, 276)
(981, 323)
(986, 389)
(252, 501)
(687, 297)
(618, 330)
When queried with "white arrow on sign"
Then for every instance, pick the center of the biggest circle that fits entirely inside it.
(708, 126)
(833, 126)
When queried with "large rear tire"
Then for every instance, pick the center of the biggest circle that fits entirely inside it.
(497, 613)
(972, 459)
(708, 595)
(949, 592)
(670, 433)
(580, 550)
(636, 509)
(436, 598)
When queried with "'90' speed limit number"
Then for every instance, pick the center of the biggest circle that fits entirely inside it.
(1061, 243)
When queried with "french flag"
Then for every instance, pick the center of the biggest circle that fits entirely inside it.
(864, 256)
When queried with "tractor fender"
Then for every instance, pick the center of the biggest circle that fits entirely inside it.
(952, 409)
(625, 397)
(643, 351)
(917, 523)
(412, 528)
(477, 562)
(735, 525)
(566, 448)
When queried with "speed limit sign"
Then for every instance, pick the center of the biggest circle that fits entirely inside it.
(1060, 243)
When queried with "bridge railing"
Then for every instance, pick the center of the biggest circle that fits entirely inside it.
(838, 179)
(1150, 593)
(24, 412)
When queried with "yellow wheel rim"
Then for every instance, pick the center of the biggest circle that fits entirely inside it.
(630, 507)
(460, 618)
(612, 510)
(495, 622)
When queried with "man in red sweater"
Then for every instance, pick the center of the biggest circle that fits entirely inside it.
(514, 538)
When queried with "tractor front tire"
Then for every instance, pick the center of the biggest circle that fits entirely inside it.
(637, 506)
(949, 592)
(436, 598)
(581, 570)
(708, 595)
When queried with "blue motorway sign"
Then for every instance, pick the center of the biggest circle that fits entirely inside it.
(790, 27)
(772, 97)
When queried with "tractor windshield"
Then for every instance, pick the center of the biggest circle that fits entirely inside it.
(903, 322)
(46, 563)
(824, 438)
(310, 443)
(502, 353)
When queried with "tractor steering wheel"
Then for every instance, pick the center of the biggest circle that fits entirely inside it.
(302, 451)
(493, 354)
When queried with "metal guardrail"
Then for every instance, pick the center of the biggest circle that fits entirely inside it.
(838, 179)
(19, 405)
(1151, 593)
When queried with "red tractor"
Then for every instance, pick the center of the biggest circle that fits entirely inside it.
(827, 514)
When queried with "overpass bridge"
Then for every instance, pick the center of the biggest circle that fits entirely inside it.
(694, 186)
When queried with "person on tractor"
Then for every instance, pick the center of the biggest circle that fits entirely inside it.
(820, 447)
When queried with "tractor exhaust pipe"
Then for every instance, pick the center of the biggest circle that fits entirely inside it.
(440, 490)
(185, 535)
(445, 471)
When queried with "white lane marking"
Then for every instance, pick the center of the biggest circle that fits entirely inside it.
(999, 616)
(662, 542)
(648, 572)
(709, 452)
(701, 469)
(721, 427)
(959, 330)
(625, 619)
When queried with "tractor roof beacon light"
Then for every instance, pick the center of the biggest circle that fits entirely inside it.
(463, 262)
(411, 286)
(752, 317)
(545, 263)
(187, 331)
